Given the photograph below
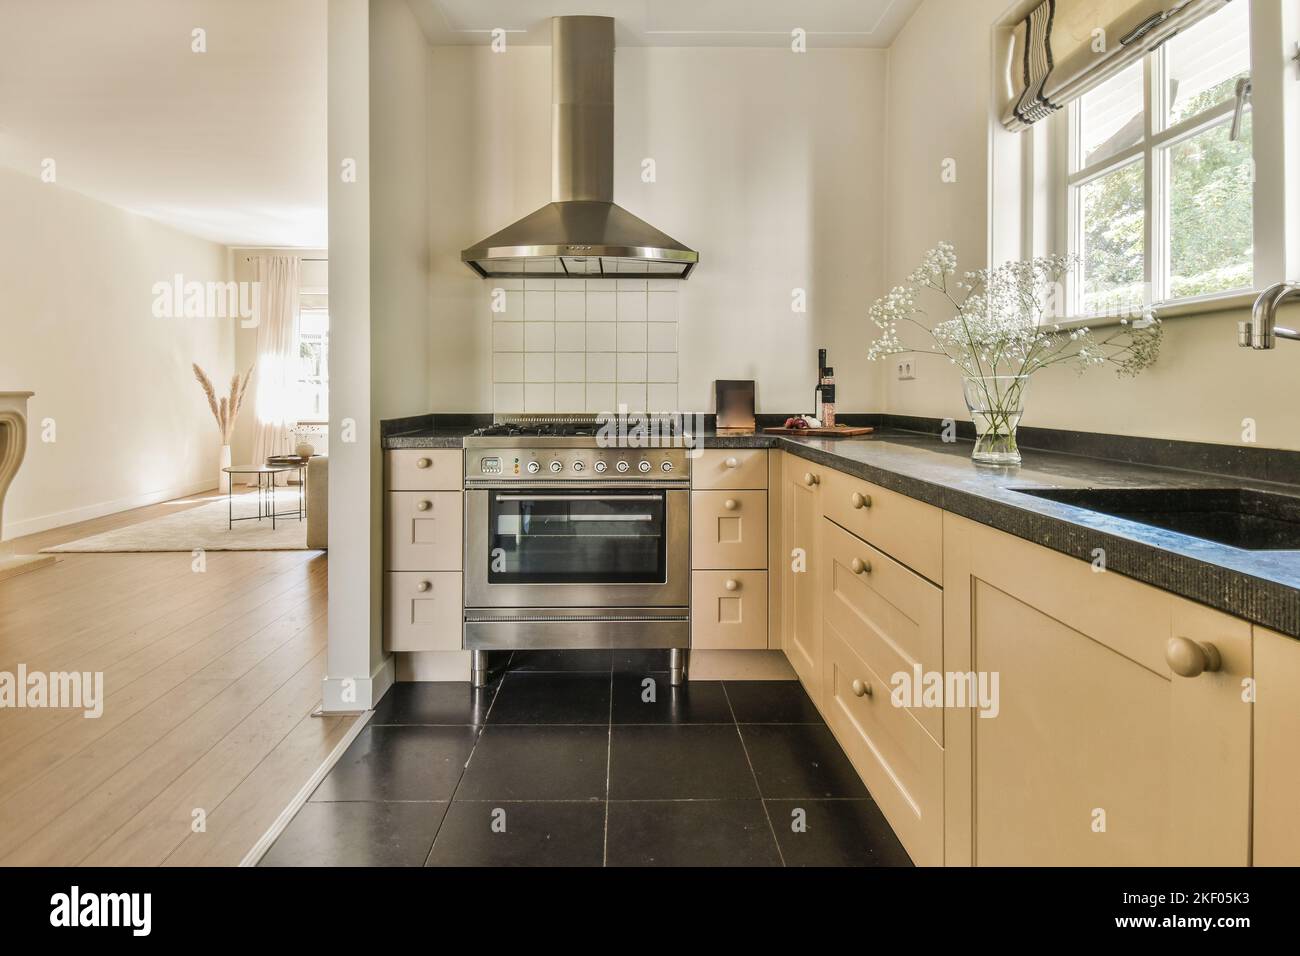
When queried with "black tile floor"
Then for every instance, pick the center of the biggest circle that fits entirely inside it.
(591, 758)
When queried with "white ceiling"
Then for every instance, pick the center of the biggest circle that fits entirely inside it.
(840, 23)
(228, 144)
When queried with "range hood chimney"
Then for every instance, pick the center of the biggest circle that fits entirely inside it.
(581, 232)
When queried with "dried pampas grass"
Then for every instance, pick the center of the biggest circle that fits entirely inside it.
(226, 410)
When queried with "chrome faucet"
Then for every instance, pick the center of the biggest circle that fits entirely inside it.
(1262, 331)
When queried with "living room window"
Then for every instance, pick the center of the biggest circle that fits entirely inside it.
(313, 367)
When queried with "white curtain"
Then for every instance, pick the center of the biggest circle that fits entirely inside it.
(275, 378)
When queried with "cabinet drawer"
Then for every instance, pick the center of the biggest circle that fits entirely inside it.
(422, 611)
(730, 468)
(422, 531)
(729, 610)
(891, 617)
(424, 469)
(899, 762)
(904, 528)
(729, 530)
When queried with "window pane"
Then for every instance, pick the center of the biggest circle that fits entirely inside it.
(1211, 207)
(1202, 64)
(1110, 117)
(1113, 218)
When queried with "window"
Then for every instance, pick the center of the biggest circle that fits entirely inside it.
(1159, 194)
(313, 367)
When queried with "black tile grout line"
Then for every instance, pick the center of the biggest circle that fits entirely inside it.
(461, 779)
(757, 786)
(609, 761)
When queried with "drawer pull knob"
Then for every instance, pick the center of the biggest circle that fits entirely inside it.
(733, 584)
(861, 500)
(1188, 658)
(731, 463)
(731, 504)
(423, 505)
(423, 586)
(810, 479)
(423, 462)
(861, 689)
(858, 566)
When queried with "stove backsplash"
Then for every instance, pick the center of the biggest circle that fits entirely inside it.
(583, 345)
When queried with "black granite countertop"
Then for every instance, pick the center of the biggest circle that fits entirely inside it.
(1259, 586)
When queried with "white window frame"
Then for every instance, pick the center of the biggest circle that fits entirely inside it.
(1051, 216)
(324, 382)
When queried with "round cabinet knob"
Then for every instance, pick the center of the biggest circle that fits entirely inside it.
(861, 689)
(731, 463)
(861, 501)
(579, 466)
(1188, 658)
(858, 566)
(732, 585)
(557, 466)
(600, 467)
(643, 467)
(731, 504)
(423, 463)
(423, 505)
(621, 466)
(423, 586)
(534, 468)
(810, 479)
(667, 466)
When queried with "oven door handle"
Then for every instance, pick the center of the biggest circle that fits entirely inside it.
(579, 497)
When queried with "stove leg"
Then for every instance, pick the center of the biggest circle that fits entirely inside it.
(677, 666)
(479, 668)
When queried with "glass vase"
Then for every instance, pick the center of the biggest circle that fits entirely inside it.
(996, 404)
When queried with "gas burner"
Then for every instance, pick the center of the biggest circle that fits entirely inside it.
(539, 426)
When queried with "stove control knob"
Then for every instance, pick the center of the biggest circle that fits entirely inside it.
(667, 466)
(534, 468)
(643, 467)
(621, 466)
(557, 466)
(579, 466)
(600, 467)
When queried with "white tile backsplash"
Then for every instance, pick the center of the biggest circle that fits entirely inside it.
(631, 336)
(569, 345)
(570, 336)
(631, 305)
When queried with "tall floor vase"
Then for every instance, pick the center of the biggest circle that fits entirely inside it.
(223, 479)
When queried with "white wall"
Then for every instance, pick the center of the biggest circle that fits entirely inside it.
(768, 162)
(941, 105)
(76, 326)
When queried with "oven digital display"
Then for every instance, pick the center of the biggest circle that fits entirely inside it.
(490, 466)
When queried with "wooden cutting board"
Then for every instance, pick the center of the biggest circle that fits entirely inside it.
(837, 431)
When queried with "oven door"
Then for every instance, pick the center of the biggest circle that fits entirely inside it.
(600, 547)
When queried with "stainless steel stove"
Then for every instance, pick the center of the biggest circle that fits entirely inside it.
(573, 543)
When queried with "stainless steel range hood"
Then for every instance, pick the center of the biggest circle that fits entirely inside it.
(581, 232)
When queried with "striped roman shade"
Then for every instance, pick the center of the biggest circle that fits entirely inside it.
(1064, 48)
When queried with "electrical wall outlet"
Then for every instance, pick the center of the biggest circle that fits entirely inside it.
(906, 369)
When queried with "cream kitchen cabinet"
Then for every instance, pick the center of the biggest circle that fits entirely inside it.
(800, 554)
(424, 510)
(1276, 835)
(1122, 733)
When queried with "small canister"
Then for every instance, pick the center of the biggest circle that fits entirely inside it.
(827, 411)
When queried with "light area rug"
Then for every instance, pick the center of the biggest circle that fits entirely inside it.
(204, 527)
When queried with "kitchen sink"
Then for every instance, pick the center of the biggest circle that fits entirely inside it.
(1238, 517)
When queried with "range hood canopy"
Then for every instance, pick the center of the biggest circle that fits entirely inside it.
(581, 232)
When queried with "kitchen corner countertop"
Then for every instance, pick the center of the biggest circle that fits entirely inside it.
(1260, 586)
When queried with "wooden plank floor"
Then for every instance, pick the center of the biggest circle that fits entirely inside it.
(210, 679)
